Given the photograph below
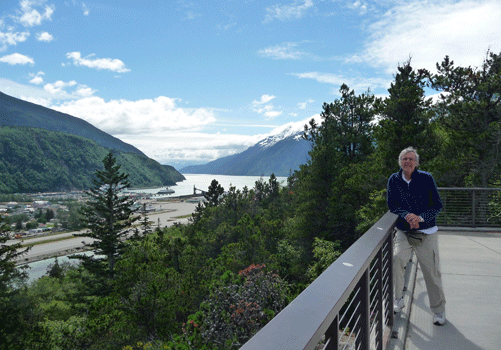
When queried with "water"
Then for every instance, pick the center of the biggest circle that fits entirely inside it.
(203, 181)
(200, 181)
(39, 268)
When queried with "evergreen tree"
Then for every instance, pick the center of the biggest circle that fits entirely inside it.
(405, 118)
(404, 121)
(8, 255)
(108, 215)
(214, 194)
(12, 309)
(343, 138)
(469, 114)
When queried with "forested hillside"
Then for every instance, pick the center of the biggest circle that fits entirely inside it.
(16, 112)
(247, 253)
(37, 160)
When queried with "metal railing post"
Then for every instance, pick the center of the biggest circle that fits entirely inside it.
(379, 301)
(473, 209)
(363, 339)
(390, 272)
(332, 335)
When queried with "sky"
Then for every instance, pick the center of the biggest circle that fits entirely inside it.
(187, 82)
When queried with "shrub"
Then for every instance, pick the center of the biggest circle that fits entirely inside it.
(235, 312)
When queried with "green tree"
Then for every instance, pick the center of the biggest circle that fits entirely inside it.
(214, 194)
(405, 120)
(49, 214)
(108, 215)
(8, 255)
(469, 115)
(405, 117)
(31, 225)
(11, 311)
(343, 138)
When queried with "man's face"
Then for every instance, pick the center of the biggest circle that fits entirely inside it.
(409, 162)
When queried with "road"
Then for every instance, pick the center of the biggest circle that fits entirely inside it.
(166, 214)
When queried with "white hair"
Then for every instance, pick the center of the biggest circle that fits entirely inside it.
(404, 152)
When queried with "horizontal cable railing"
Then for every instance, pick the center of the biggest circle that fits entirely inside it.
(470, 207)
(349, 306)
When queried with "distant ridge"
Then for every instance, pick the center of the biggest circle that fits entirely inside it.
(42, 150)
(16, 112)
(279, 154)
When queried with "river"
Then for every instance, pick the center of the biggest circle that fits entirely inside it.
(203, 181)
(200, 181)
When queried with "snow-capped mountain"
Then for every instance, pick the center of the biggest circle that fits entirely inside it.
(280, 154)
(289, 131)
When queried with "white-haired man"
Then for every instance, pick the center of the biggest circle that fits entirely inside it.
(413, 196)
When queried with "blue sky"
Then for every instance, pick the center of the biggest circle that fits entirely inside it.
(192, 81)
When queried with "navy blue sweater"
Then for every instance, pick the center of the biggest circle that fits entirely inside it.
(419, 197)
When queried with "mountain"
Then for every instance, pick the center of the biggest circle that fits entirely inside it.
(42, 150)
(16, 112)
(279, 154)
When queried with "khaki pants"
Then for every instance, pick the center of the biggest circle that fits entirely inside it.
(426, 249)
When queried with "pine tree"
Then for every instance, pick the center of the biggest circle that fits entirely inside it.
(469, 114)
(8, 254)
(13, 309)
(108, 215)
(214, 194)
(343, 138)
(405, 118)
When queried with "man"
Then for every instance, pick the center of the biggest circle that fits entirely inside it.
(413, 196)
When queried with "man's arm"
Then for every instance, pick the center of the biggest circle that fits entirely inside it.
(392, 200)
(434, 203)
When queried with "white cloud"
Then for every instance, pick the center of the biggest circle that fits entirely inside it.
(303, 105)
(12, 38)
(226, 27)
(17, 58)
(359, 84)
(114, 65)
(192, 146)
(293, 127)
(149, 116)
(264, 99)
(282, 52)
(427, 31)
(360, 7)
(45, 36)
(29, 16)
(85, 9)
(267, 110)
(84, 91)
(59, 87)
(37, 78)
(25, 92)
(200, 146)
(295, 10)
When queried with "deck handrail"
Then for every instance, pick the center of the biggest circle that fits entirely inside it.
(470, 207)
(362, 276)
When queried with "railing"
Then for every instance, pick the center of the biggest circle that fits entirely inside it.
(349, 306)
(470, 207)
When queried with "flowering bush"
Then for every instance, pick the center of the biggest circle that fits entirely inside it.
(234, 313)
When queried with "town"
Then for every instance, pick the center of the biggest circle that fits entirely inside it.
(33, 215)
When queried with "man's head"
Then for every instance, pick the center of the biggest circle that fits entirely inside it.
(408, 159)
